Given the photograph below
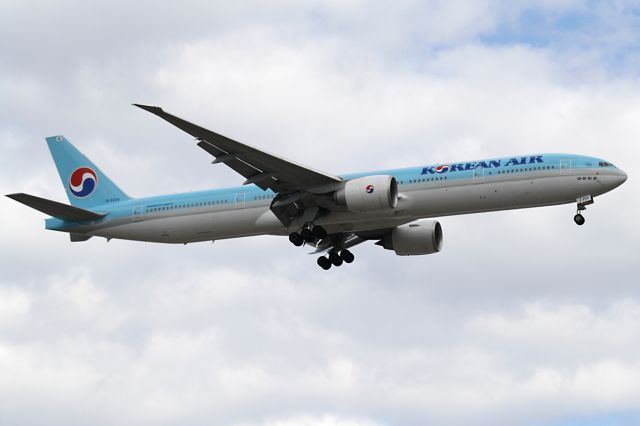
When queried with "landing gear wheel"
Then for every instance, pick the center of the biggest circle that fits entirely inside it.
(324, 263)
(335, 259)
(319, 232)
(579, 219)
(347, 256)
(307, 235)
(296, 239)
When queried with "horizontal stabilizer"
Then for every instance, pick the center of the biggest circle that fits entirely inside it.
(56, 209)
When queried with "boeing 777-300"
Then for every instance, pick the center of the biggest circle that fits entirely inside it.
(331, 213)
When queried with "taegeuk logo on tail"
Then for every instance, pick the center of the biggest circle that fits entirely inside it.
(82, 182)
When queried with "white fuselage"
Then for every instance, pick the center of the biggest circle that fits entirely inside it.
(239, 212)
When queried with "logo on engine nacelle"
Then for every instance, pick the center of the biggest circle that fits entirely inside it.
(369, 189)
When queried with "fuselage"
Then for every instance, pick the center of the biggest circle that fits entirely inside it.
(424, 192)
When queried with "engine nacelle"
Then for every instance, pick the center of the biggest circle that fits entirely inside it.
(368, 193)
(420, 237)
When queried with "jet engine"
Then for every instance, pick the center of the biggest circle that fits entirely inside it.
(368, 193)
(420, 237)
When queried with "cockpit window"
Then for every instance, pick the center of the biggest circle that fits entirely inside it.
(605, 164)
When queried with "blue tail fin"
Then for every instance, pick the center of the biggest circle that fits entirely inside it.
(85, 184)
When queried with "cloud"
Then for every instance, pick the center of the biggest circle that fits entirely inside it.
(259, 349)
(524, 318)
(325, 420)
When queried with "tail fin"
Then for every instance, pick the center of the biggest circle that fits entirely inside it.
(85, 184)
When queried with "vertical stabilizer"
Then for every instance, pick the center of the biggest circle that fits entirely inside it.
(85, 185)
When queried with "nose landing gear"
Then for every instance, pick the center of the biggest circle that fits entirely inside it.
(582, 203)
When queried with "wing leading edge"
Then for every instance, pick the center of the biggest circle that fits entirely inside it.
(265, 170)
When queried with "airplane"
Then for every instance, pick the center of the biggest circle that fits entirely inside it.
(330, 213)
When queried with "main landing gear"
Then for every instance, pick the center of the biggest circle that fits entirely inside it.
(308, 234)
(582, 203)
(335, 259)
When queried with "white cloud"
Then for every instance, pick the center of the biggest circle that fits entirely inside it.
(325, 420)
(523, 318)
(14, 305)
(204, 347)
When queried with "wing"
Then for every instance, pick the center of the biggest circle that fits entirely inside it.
(258, 167)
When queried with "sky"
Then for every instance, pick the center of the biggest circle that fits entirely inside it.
(524, 318)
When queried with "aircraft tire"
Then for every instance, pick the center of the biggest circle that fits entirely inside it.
(319, 232)
(579, 219)
(347, 256)
(324, 263)
(296, 239)
(307, 235)
(335, 259)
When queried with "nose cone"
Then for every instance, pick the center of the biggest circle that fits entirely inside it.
(622, 177)
(613, 178)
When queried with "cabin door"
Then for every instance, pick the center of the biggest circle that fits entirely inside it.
(138, 213)
(240, 200)
(565, 166)
(478, 175)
